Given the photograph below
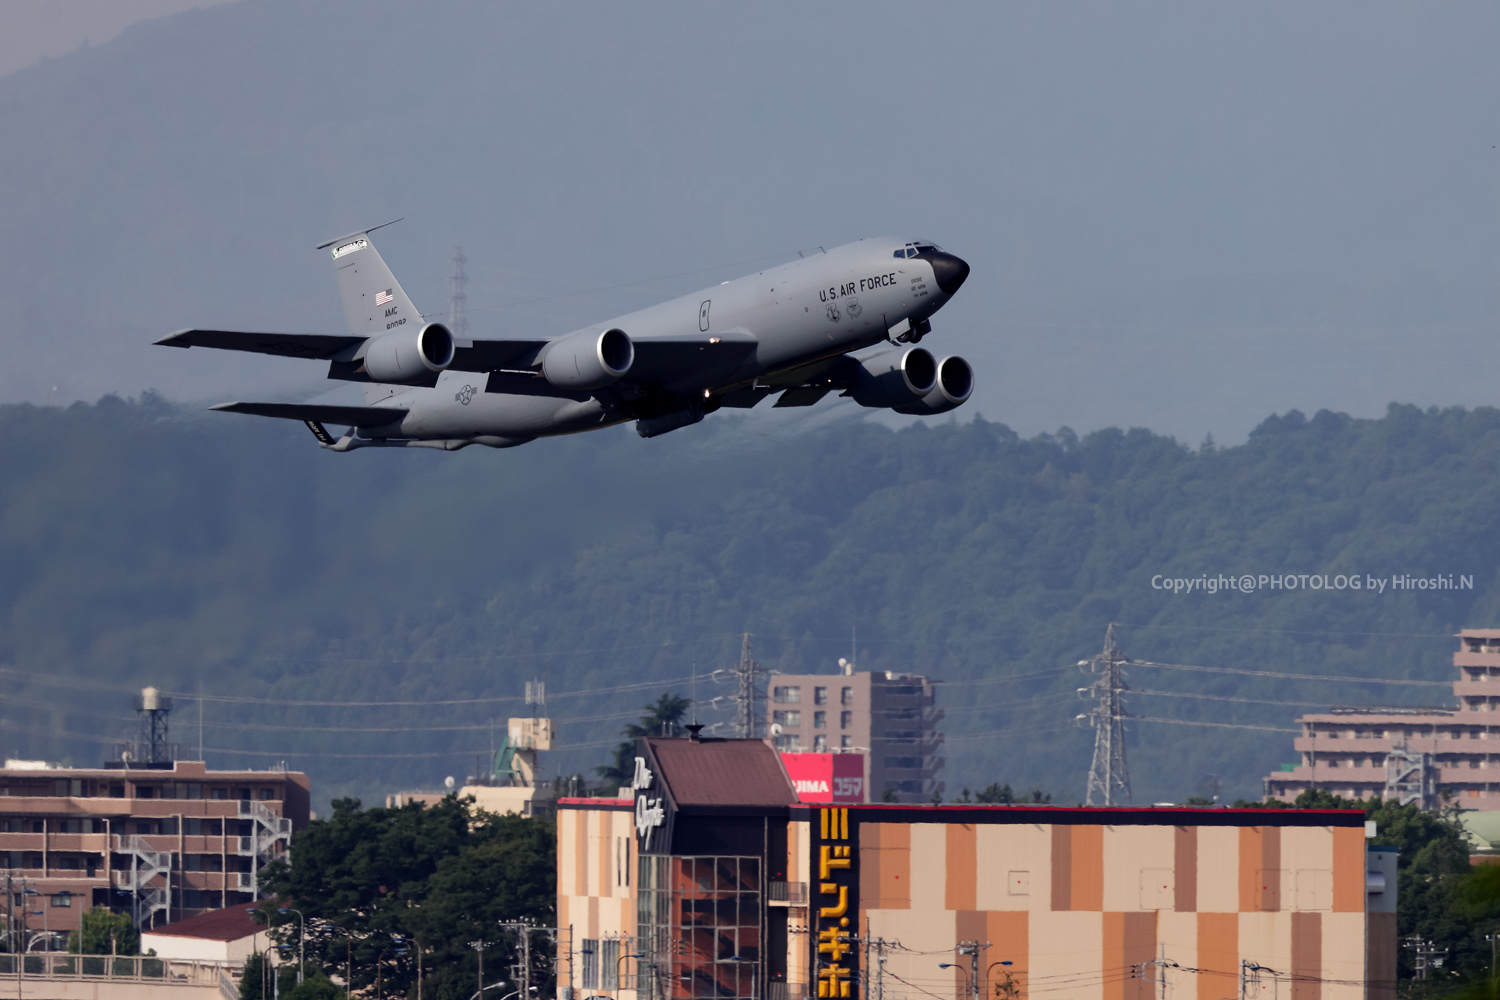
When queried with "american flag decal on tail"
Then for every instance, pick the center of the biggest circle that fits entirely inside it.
(382, 298)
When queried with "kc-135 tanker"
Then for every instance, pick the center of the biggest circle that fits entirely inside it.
(846, 320)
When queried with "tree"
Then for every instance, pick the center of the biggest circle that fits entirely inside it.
(374, 882)
(104, 932)
(663, 718)
(996, 793)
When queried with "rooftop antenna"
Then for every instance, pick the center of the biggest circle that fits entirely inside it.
(536, 697)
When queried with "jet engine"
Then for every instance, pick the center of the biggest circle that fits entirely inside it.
(401, 357)
(952, 388)
(588, 360)
(894, 378)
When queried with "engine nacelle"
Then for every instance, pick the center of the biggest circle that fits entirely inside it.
(404, 357)
(954, 385)
(589, 360)
(894, 378)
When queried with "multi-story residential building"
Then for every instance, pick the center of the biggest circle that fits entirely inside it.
(161, 842)
(1413, 754)
(890, 717)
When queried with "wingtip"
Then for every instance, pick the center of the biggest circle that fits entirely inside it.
(173, 339)
(224, 406)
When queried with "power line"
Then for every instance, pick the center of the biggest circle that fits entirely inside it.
(1215, 725)
(1222, 697)
(1332, 678)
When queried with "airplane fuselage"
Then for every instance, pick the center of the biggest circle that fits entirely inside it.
(817, 307)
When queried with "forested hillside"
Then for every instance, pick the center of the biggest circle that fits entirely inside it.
(229, 556)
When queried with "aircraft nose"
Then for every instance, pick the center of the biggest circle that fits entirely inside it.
(949, 270)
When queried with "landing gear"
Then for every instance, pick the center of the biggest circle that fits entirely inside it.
(919, 329)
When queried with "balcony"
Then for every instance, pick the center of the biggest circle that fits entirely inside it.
(786, 894)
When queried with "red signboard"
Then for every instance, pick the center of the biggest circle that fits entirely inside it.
(827, 777)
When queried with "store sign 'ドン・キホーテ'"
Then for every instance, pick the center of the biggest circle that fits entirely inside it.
(836, 904)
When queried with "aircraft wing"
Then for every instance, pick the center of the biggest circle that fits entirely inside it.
(663, 359)
(353, 416)
(287, 345)
(469, 355)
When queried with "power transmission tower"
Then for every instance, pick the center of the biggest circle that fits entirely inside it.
(748, 695)
(457, 298)
(1108, 775)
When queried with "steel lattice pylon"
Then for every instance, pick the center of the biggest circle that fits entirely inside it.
(1109, 776)
(748, 694)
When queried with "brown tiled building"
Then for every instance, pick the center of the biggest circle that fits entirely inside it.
(160, 843)
(1360, 752)
(713, 882)
(890, 717)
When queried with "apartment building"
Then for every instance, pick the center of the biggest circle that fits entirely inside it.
(888, 716)
(162, 842)
(1409, 754)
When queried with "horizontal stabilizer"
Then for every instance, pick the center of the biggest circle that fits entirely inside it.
(353, 416)
(287, 345)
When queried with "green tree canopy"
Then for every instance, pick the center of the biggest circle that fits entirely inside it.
(104, 932)
(378, 886)
(663, 717)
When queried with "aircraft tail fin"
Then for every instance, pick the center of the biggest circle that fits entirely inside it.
(374, 301)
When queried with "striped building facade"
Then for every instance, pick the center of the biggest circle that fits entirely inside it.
(892, 902)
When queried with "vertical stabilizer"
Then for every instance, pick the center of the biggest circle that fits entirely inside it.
(374, 302)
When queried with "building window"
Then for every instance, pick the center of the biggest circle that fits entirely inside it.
(609, 964)
(789, 744)
(820, 696)
(787, 718)
(820, 743)
(698, 921)
(62, 899)
(144, 791)
(590, 964)
(787, 695)
(219, 793)
(846, 719)
(846, 696)
(820, 720)
(267, 794)
(846, 742)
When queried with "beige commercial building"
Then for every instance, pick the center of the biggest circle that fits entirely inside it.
(714, 881)
(890, 717)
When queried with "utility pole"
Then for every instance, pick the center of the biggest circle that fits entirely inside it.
(458, 323)
(1161, 972)
(748, 693)
(1109, 776)
(972, 949)
(1428, 956)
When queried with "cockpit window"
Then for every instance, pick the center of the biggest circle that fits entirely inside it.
(929, 248)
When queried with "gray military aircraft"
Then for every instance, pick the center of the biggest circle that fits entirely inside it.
(846, 319)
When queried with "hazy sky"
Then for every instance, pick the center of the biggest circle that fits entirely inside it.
(1180, 216)
(35, 29)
